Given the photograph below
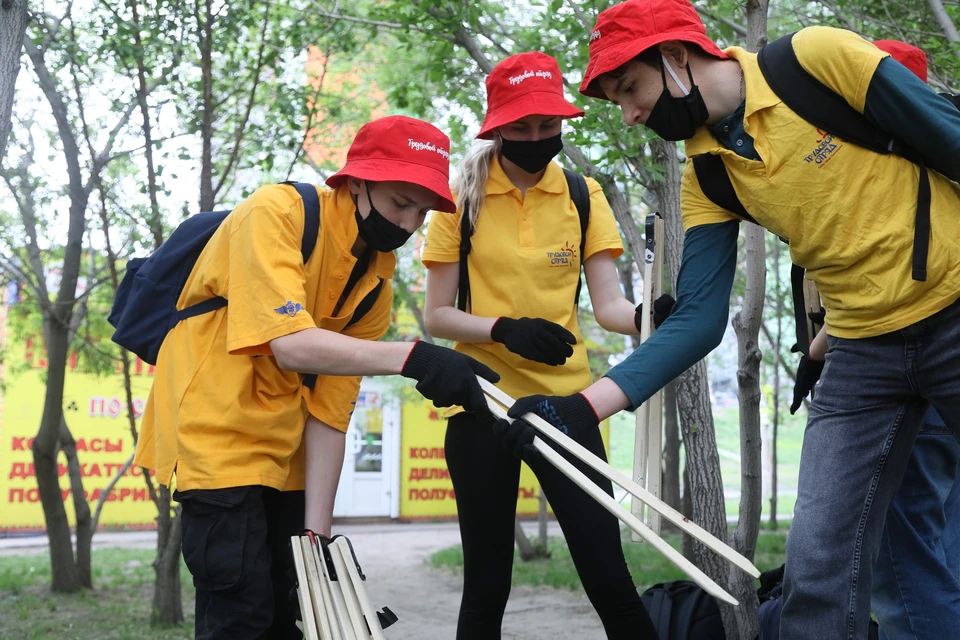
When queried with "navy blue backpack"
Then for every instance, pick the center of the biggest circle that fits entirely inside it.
(145, 306)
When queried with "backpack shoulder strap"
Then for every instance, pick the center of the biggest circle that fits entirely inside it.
(466, 230)
(715, 184)
(311, 217)
(825, 109)
(817, 103)
(366, 304)
(580, 194)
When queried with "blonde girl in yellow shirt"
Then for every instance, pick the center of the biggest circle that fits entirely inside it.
(522, 321)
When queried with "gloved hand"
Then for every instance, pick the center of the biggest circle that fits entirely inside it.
(570, 414)
(448, 378)
(534, 339)
(662, 308)
(808, 372)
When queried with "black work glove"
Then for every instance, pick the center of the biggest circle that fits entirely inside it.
(808, 372)
(662, 308)
(534, 339)
(448, 378)
(570, 414)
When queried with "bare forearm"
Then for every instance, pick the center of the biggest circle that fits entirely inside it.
(324, 447)
(818, 348)
(606, 397)
(452, 324)
(327, 353)
(618, 316)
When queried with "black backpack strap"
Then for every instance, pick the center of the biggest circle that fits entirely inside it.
(580, 194)
(311, 217)
(366, 304)
(466, 230)
(800, 309)
(815, 102)
(825, 109)
(716, 185)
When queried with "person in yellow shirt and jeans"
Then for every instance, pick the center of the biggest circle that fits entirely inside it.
(229, 415)
(520, 318)
(852, 218)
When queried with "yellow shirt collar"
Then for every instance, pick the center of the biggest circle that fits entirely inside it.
(553, 180)
(759, 96)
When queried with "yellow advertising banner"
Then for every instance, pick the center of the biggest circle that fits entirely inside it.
(95, 408)
(426, 491)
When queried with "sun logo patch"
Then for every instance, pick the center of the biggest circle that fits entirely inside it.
(290, 309)
(564, 257)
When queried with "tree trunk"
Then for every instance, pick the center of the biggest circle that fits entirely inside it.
(155, 223)
(744, 538)
(775, 428)
(740, 623)
(13, 23)
(167, 605)
(66, 576)
(542, 522)
(204, 16)
(703, 482)
(527, 550)
(671, 449)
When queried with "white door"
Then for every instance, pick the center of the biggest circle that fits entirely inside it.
(369, 464)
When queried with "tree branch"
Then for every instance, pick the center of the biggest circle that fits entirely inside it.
(106, 492)
(242, 126)
(378, 23)
(943, 19)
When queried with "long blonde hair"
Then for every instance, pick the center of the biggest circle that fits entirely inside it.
(471, 181)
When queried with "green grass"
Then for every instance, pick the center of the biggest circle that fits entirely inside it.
(647, 566)
(118, 608)
(726, 421)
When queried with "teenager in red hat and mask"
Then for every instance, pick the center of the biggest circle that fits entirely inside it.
(520, 318)
(850, 216)
(228, 411)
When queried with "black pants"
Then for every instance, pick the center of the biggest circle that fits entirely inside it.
(486, 478)
(236, 543)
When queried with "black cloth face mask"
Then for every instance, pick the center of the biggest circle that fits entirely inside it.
(532, 156)
(379, 233)
(677, 119)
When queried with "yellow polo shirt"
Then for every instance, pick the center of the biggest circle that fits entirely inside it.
(221, 413)
(848, 212)
(524, 262)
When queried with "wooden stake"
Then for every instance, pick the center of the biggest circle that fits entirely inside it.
(496, 398)
(366, 607)
(633, 522)
(303, 591)
(648, 440)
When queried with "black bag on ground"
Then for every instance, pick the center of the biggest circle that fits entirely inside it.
(681, 610)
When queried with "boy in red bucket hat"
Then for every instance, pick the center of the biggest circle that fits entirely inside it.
(229, 414)
(518, 283)
(850, 216)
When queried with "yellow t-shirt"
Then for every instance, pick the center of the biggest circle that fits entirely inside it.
(848, 212)
(524, 262)
(221, 413)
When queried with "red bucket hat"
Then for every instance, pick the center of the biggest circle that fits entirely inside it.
(522, 85)
(911, 57)
(402, 149)
(625, 30)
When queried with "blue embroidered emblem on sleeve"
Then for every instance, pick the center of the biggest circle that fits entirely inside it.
(290, 309)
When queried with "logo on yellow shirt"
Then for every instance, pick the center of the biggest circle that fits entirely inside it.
(564, 257)
(290, 309)
(827, 144)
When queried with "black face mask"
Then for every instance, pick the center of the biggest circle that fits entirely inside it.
(532, 156)
(379, 233)
(677, 118)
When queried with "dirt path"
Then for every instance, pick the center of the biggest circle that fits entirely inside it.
(425, 599)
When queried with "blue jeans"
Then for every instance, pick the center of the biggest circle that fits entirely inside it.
(863, 422)
(916, 580)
